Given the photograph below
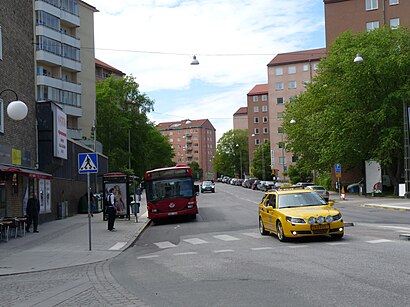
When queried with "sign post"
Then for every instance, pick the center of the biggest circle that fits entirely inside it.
(88, 163)
(338, 171)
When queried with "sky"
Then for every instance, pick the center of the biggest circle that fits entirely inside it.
(233, 40)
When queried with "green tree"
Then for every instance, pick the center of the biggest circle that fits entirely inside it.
(232, 153)
(353, 112)
(261, 164)
(196, 170)
(124, 130)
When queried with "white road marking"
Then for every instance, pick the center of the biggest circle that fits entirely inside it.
(165, 244)
(223, 251)
(118, 246)
(195, 241)
(226, 238)
(254, 235)
(398, 228)
(186, 253)
(378, 241)
(337, 243)
(298, 246)
(261, 248)
(148, 257)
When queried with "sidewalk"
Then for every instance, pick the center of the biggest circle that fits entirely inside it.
(390, 203)
(64, 243)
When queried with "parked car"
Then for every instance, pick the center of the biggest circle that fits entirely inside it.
(238, 182)
(255, 184)
(261, 185)
(319, 190)
(207, 186)
(248, 183)
(297, 212)
(304, 184)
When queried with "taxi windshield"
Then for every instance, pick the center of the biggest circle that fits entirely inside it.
(300, 200)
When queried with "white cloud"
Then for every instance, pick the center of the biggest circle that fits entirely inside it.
(216, 31)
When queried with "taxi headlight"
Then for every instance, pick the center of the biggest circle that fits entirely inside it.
(329, 219)
(321, 219)
(312, 220)
(295, 220)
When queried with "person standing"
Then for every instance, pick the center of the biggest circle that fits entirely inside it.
(111, 210)
(32, 211)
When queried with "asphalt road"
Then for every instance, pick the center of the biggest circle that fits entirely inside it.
(221, 259)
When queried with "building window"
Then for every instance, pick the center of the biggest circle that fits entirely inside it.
(264, 108)
(264, 97)
(394, 23)
(305, 67)
(265, 119)
(171, 133)
(256, 130)
(256, 120)
(291, 70)
(279, 86)
(257, 142)
(370, 26)
(282, 160)
(278, 71)
(279, 100)
(265, 130)
(393, 2)
(255, 98)
(171, 140)
(256, 109)
(371, 5)
(294, 159)
(292, 84)
(315, 66)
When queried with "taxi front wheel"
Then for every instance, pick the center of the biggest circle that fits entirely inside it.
(280, 234)
(262, 229)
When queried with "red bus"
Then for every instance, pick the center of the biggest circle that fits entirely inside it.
(171, 192)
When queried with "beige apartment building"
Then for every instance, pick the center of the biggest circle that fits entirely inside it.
(364, 15)
(104, 70)
(240, 119)
(192, 140)
(258, 117)
(287, 75)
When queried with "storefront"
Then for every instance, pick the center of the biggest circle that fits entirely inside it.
(16, 185)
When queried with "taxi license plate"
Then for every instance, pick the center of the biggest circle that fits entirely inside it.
(320, 227)
(173, 213)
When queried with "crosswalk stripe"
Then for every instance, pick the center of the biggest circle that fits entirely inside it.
(223, 251)
(226, 238)
(379, 241)
(337, 243)
(148, 257)
(195, 241)
(261, 248)
(165, 244)
(253, 235)
(298, 246)
(186, 253)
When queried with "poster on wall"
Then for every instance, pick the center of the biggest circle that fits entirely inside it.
(373, 177)
(60, 133)
(45, 195)
(119, 190)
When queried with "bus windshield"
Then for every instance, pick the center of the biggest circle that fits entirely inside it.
(169, 188)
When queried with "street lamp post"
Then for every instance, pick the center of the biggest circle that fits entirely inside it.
(16, 109)
(240, 159)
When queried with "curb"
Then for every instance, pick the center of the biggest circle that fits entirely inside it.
(388, 207)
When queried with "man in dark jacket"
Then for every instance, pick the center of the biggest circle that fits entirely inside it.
(32, 211)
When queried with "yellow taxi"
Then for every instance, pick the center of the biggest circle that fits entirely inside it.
(294, 212)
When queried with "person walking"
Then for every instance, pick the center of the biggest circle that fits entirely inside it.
(111, 210)
(32, 211)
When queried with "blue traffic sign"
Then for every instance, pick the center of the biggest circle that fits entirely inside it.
(87, 163)
(338, 168)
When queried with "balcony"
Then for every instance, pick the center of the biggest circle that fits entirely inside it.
(189, 141)
(188, 134)
(75, 134)
(52, 81)
(189, 148)
(189, 156)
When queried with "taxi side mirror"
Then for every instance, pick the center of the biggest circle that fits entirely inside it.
(269, 208)
(330, 203)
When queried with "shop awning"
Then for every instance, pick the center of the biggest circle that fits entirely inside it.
(25, 171)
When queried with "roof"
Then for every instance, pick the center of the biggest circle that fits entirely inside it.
(259, 89)
(101, 64)
(241, 111)
(182, 124)
(298, 56)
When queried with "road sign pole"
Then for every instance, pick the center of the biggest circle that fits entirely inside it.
(89, 210)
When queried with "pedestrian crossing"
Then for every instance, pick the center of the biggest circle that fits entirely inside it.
(266, 243)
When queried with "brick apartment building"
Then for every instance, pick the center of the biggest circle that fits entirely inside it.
(258, 117)
(192, 140)
(287, 75)
(363, 15)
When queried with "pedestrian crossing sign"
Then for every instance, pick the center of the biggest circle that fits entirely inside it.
(87, 163)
